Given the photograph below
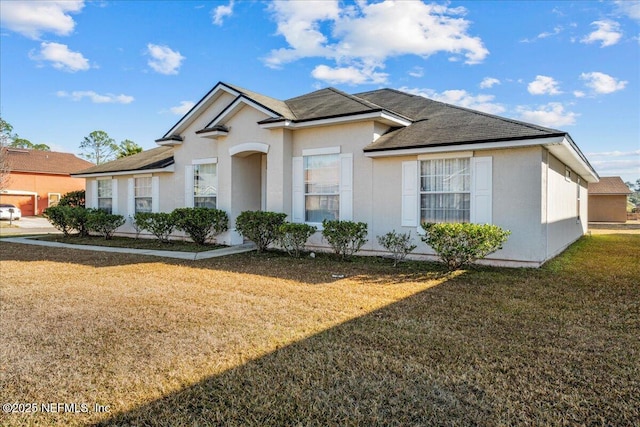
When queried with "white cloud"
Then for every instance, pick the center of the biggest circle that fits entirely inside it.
(489, 82)
(183, 108)
(33, 18)
(359, 36)
(348, 75)
(461, 98)
(61, 57)
(163, 59)
(96, 98)
(543, 85)
(552, 115)
(616, 163)
(608, 33)
(416, 72)
(219, 13)
(614, 153)
(546, 34)
(579, 94)
(602, 83)
(629, 8)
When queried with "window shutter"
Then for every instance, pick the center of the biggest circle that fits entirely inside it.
(410, 194)
(481, 190)
(155, 194)
(297, 208)
(114, 196)
(346, 187)
(131, 200)
(188, 186)
(93, 202)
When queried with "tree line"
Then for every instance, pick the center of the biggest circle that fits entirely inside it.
(97, 147)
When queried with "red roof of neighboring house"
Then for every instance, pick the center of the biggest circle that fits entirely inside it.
(609, 185)
(38, 161)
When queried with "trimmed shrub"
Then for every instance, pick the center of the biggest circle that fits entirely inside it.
(458, 244)
(135, 225)
(345, 237)
(73, 199)
(201, 224)
(78, 219)
(104, 223)
(260, 227)
(160, 224)
(293, 236)
(60, 217)
(399, 244)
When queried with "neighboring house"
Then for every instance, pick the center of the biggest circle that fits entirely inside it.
(37, 179)
(386, 158)
(608, 200)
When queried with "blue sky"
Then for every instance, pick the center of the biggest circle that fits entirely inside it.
(132, 68)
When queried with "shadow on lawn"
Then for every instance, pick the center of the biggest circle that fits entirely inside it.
(374, 370)
(461, 353)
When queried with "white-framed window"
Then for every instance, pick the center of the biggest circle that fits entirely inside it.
(54, 199)
(321, 187)
(205, 191)
(445, 190)
(143, 198)
(105, 195)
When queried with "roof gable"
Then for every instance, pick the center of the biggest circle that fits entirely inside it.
(49, 162)
(268, 105)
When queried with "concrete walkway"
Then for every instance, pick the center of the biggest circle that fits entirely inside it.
(247, 247)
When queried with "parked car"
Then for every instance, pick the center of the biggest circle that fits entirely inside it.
(9, 211)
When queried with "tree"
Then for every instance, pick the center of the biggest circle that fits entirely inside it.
(99, 147)
(634, 198)
(25, 143)
(5, 137)
(128, 148)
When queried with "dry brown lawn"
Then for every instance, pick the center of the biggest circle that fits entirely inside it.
(266, 340)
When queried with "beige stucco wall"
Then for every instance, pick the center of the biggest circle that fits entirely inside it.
(351, 138)
(515, 203)
(563, 224)
(608, 208)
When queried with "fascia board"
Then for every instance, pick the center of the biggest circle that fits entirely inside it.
(211, 96)
(170, 168)
(235, 106)
(465, 147)
(289, 124)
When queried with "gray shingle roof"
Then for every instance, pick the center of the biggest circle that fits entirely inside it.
(275, 105)
(329, 102)
(155, 158)
(436, 123)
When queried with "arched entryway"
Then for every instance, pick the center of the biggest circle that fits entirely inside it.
(248, 177)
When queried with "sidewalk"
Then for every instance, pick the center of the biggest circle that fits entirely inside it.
(27, 225)
(247, 247)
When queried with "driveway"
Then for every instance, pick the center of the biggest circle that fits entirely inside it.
(27, 225)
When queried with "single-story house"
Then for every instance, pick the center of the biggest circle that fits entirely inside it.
(37, 179)
(384, 157)
(608, 200)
